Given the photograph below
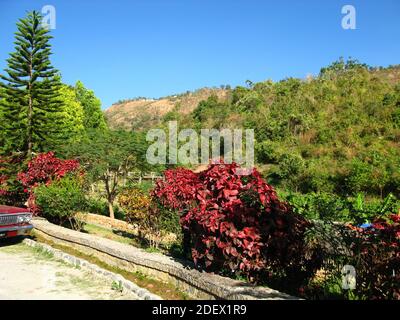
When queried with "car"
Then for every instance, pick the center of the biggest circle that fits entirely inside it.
(14, 221)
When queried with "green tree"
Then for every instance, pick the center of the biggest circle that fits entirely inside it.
(30, 104)
(2, 136)
(93, 115)
(108, 156)
(72, 115)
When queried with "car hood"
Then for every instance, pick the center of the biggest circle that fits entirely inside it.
(11, 210)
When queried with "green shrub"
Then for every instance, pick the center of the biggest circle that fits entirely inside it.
(362, 211)
(266, 152)
(60, 200)
(318, 206)
(168, 220)
(329, 206)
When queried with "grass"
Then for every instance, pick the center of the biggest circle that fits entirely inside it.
(165, 290)
(109, 234)
(43, 253)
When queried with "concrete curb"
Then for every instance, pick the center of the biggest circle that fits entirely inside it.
(78, 262)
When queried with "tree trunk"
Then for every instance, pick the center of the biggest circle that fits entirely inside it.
(109, 191)
(111, 209)
(30, 114)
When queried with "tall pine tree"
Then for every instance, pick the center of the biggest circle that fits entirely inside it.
(30, 102)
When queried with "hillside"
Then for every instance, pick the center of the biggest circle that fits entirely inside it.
(143, 113)
(337, 132)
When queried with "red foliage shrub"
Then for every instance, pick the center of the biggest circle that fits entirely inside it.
(236, 222)
(178, 189)
(43, 169)
(378, 268)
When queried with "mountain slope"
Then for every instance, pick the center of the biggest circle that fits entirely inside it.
(144, 113)
(337, 132)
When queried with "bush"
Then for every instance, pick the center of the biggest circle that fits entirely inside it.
(378, 259)
(45, 168)
(152, 220)
(373, 252)
(329, 206)
(136, 206)
(59, 201)
(237, 223)
(318, 206)
(266, 152)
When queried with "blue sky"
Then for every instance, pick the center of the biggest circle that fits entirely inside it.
(123, 49)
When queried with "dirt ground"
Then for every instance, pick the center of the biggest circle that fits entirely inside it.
(29, 274)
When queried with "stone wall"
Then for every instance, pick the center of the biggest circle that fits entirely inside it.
(198, 285)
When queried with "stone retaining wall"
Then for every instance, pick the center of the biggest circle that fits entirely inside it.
(198, 285)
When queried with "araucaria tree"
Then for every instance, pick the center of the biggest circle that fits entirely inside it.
(30, 93)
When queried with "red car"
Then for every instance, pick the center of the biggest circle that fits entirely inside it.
(14, 221)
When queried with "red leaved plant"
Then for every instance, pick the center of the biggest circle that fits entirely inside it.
(43, 169)
(378, 269)
(235, 222)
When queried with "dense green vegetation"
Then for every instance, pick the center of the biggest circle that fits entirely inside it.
(38, 113)
(108, 157)
(337, 134)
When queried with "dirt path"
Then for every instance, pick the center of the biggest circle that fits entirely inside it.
(26, 273)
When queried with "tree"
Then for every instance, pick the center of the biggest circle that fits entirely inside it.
(93, 116)
(108, 156)
(30, 102)
(72, 114)
(44, 169)
(2, 136)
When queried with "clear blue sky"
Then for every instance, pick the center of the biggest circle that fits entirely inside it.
(153, 48)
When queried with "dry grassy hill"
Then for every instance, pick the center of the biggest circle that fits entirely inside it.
(390, 74)
(144, 113)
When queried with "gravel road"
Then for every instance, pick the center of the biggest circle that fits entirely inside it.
(29, 274)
